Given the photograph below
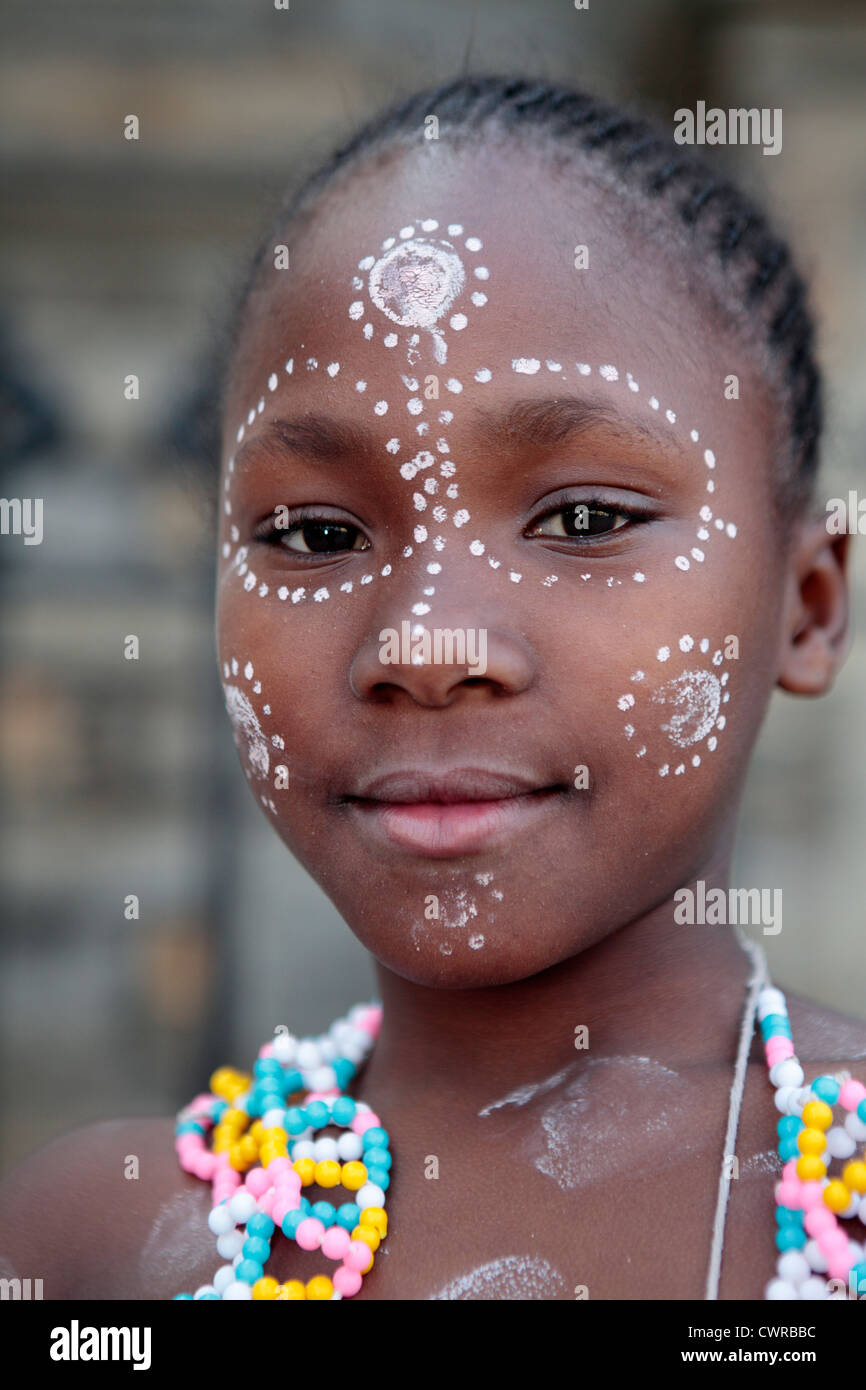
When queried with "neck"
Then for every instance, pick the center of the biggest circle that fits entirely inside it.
(651, 988)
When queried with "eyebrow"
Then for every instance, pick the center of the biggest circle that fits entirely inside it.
(547, 421)
(320, 437)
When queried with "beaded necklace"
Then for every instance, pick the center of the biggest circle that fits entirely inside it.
(263, 1153)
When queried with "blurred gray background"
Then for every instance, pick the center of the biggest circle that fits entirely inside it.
(120, 777)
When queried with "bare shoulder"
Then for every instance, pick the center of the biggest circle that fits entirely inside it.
(825, 1035)
(85, 1213)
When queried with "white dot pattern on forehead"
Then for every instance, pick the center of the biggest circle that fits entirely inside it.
(413, 281)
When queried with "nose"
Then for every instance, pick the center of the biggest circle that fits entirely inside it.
(435, 666)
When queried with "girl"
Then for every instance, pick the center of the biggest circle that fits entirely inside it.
(520, 429)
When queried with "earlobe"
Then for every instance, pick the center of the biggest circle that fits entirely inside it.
(815, 640)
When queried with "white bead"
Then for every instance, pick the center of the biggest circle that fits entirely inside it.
(853, 1207)
(788, 1072)
(237, 1259)
(224, 1276)
(205, 1288)
(284, 1048)
(230, 1243)
(861, 1215)
(307, 1054)
(273, 1119)
(219, 1220)
(776, 1290)
(323, 1078)
(855, 1127)
(840, 1143)
(303, 1148)
(353, 1053)
(325, 1149)
(813, 1289)
(339, 1031)
(349, 1146)
(328, 1049)
(238, 1291)
(782, 1099)
(771, 1001)
(362, 1107)
(357, 1011)
(242, 1206)
(370, 1195)
(802, 1098)
(817, 1260)
(792, 1267)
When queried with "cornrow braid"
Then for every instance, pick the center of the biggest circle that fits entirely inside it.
(759, 284)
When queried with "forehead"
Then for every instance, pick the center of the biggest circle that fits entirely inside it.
(452, 263)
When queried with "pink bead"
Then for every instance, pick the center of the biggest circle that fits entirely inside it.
(789, 1171)
(309, 1234)
(788, 1195)
(266, 1050)
(370, 1020)
(817, 1220)
(336, 1242)
(258, 1181)
(347, 1281)
(779, 1048)
(279, 1210)
(832, 1242)
(839, 1265)
(811, 1195)
(851, 1094)
(321, 1095)
(267, 1202)
(205, 1166)
(358, 1255)
(364, 1121)
(278, 1165)
(223, 1162)
(202, 1102)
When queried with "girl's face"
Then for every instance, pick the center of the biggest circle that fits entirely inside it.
(500, 574)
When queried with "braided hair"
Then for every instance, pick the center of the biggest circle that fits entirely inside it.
(735, 254)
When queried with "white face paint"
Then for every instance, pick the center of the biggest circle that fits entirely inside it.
(257, 748)
(692, 705)
(512, 1277)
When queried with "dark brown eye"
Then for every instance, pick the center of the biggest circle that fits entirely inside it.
(323, 538)
(582, 519)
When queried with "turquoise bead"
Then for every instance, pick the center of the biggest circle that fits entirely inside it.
(306, 1207)
(375, 1138)
(209, 1298)
(787, 1238)
(788, 1149)
(343, 1110)
(344, 1070)
(775, 1025)
(190, 1127)
(293, 1082)
(325, 1212)
(267, 1066)
(785, 1216)
(380, 1176)
(272, 1101)
(260, 1224)
(857, 1273)
(789, 1124)
(248, 1271)
(296, 1120)
(348, 1215)
(860, 1112)
(182, 1297)
(254, 1248)
(218, 1109)
(825, 1088)
(377, 1158)
(318, 1113)
(291, 1222)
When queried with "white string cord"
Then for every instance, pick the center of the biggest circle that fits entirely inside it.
(758, 980)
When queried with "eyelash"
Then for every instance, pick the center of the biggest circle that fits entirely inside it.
(270, 534)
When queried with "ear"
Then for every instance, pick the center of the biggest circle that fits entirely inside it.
(815, 637)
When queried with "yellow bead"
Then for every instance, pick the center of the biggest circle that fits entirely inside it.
(238, 1119)
(854, 1174)
(291, 1291)
(238, 1158)
(810, 1168)
(375, 1217)
(836, 1196)
(305, 1169)
(328, 1173)
(320, 1287)
(277, 1135)
(817, 1115)
(811, 1141)
(265, 1288)
(257, 1129)
(354, 1175)
(218, 1081)
(368, 1234)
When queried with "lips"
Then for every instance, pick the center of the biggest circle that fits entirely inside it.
(444, 814)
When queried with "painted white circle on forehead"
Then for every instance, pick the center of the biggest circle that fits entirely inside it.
(416, 283)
